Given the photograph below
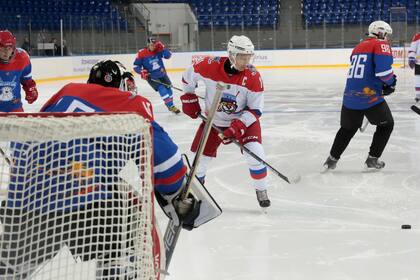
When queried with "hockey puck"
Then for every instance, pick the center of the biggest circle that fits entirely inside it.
(405, 226)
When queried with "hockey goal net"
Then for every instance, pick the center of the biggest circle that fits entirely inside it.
(76, 197)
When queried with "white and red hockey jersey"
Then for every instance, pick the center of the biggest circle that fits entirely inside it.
(242, 98)
(414, 50)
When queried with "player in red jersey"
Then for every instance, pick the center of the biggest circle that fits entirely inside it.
(238, 112)
(414, 63)
(15, 69)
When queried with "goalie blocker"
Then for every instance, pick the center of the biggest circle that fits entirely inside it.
(197, 209)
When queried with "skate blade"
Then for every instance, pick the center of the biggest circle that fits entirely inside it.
(371, 169)
(324, 170)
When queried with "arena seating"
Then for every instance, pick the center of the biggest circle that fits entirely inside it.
(234, 13)
(15, 14)
(315, 12)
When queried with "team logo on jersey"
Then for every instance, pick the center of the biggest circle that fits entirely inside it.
(6, 94)
(228, 104)
(195, 59)
(368, 91)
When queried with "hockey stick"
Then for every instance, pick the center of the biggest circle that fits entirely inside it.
(171, 86)
(166, 85)
(172, 232)
(260, 160)
(364, 125)
(415, 109)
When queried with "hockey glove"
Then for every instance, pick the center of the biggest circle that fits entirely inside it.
(188, 210)
(31, 93)
(185, 211)
(144, 74)
(159, 46)
(236, 130)
(412, 62)
(388, 89)
(190, 105)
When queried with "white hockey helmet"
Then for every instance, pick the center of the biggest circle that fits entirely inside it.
(379, 29)
(240, 44)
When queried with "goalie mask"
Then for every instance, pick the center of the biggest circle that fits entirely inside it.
(7, 46)
(380, 29)
(241, 51)
(110, 73)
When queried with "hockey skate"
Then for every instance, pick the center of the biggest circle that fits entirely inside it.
(330, 164)
(262, 198)
(174, 109)
(373, 163)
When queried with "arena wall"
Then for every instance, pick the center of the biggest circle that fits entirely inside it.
(64, 68)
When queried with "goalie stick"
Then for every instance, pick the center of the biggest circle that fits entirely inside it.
(415, 109)
(172, 231)
(260, 160)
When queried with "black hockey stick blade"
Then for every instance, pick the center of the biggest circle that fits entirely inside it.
(415, 109)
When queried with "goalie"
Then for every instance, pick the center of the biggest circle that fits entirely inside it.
(110, 88)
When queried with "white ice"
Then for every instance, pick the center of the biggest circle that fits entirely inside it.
(341, 225)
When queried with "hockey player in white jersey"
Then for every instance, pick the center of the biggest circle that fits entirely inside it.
(238, 112)
(414, 63)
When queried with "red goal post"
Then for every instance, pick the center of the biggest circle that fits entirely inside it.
(76, 194)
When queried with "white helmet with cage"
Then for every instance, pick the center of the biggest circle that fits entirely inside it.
(379, 29)
(239, 45)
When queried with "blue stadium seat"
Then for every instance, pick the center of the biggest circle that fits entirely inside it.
(366, 11)
(46, 13)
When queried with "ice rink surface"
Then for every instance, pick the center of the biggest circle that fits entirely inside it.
(341, 225)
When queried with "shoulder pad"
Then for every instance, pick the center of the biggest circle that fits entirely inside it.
(252, 68)
(215, 59)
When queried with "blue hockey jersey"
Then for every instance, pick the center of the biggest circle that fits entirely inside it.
(12, 75)
(152, 62)
(371, 67)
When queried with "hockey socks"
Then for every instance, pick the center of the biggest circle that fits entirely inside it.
(167, 95)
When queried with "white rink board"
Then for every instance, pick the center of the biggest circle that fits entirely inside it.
(75, 66)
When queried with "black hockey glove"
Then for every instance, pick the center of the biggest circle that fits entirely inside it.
(185, 211)
(388, 89)
(188, 210)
